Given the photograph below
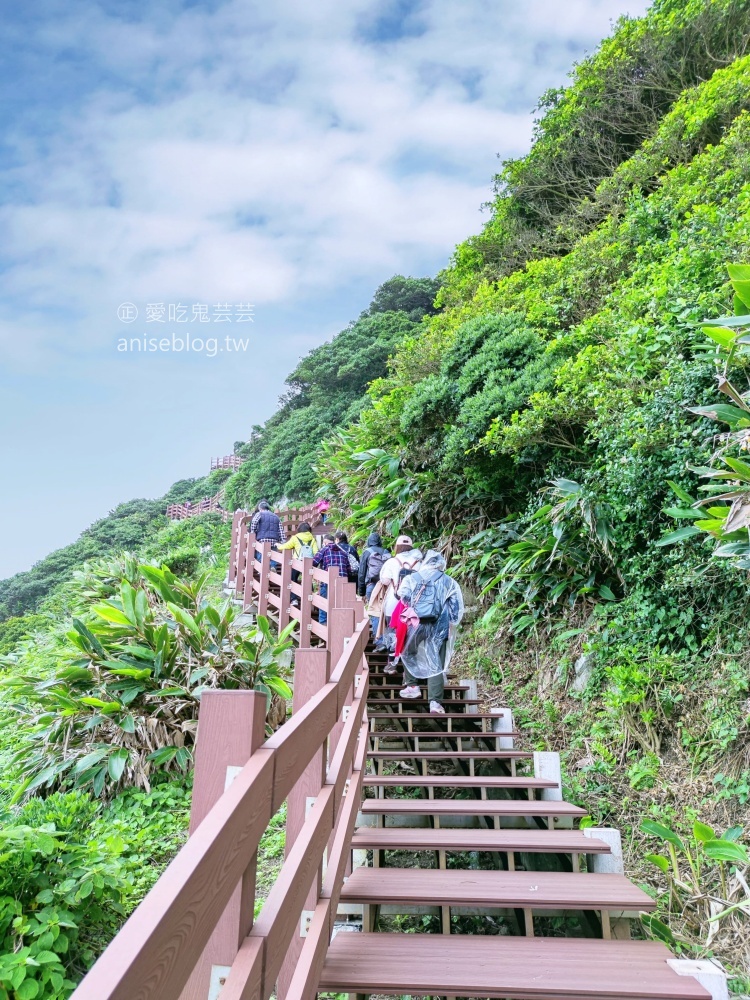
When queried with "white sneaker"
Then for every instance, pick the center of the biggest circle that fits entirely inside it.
(436, 708)
(410, 691)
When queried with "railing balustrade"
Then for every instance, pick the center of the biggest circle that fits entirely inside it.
(194, 933)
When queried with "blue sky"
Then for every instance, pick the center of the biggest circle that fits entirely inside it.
(292, 156)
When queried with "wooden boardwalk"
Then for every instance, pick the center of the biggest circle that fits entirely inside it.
(393, 815)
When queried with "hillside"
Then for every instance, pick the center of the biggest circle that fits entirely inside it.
(547, 412)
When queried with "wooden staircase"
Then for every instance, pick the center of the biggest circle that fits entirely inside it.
(441, 789)
(390, 810)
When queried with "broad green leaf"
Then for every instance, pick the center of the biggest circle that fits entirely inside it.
(658, 929)
(264, 629)
(682, 494)
(727, 850)
(720, 335)
(703, 833)
(733, 833)
(185, 618)
(739, 275)
(738, 319)
(723, 412)
(89, 638)
(127, 596)
(659, 860)
(163, 755)
(98, 782)
(46, 957)
(714, 525)
(127, 724)
(28, 990)
(138, 673)
(677, 536)
(663, 832)
(685, 513)
(116, 764)
(112, 614)
(107, 707)
(91, 759)
(279, 686)
(141, 608)
(741, 468)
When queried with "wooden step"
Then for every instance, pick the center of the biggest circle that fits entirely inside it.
(449, 716)
(440, 734)
(401, 702)
(470, 807)
(458, 781)
(407, 754)
(396, 687)
(505, 890)
(375, 838)
(504, 968)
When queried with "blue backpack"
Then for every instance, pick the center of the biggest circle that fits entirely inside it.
(426, 598)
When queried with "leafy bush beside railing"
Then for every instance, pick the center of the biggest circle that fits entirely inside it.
(124, 700)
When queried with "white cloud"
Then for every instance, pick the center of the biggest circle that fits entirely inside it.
(285, 117)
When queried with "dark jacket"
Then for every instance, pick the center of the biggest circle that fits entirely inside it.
(268, 527)
(364, 567)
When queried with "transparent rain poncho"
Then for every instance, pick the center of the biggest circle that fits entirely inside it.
(429, 647)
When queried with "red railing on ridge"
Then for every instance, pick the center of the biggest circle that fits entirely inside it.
(180, 511)
(227, 462)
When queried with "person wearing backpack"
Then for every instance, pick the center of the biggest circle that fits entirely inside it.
(384, 597)
(435, 599)
(343, 542)
(331, 556)
(303, 543)
(374, 557)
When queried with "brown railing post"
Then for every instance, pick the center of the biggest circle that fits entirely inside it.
(248, 588)
(341, 625)
(286, 595)
(264, 567)
(231, 727)
(242, 556)
(312, 668)
(306, 607)
(234, 550)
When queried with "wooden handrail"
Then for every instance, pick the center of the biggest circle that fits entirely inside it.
(208, 505)
(155, 953)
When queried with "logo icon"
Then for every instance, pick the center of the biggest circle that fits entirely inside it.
(127, 312)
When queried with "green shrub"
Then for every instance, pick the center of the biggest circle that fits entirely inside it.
(63, 891)
(124, 700)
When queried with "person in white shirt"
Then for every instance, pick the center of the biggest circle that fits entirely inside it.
(384, 597)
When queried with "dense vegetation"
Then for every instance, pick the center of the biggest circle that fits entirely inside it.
(327, 390)
(564, 411)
